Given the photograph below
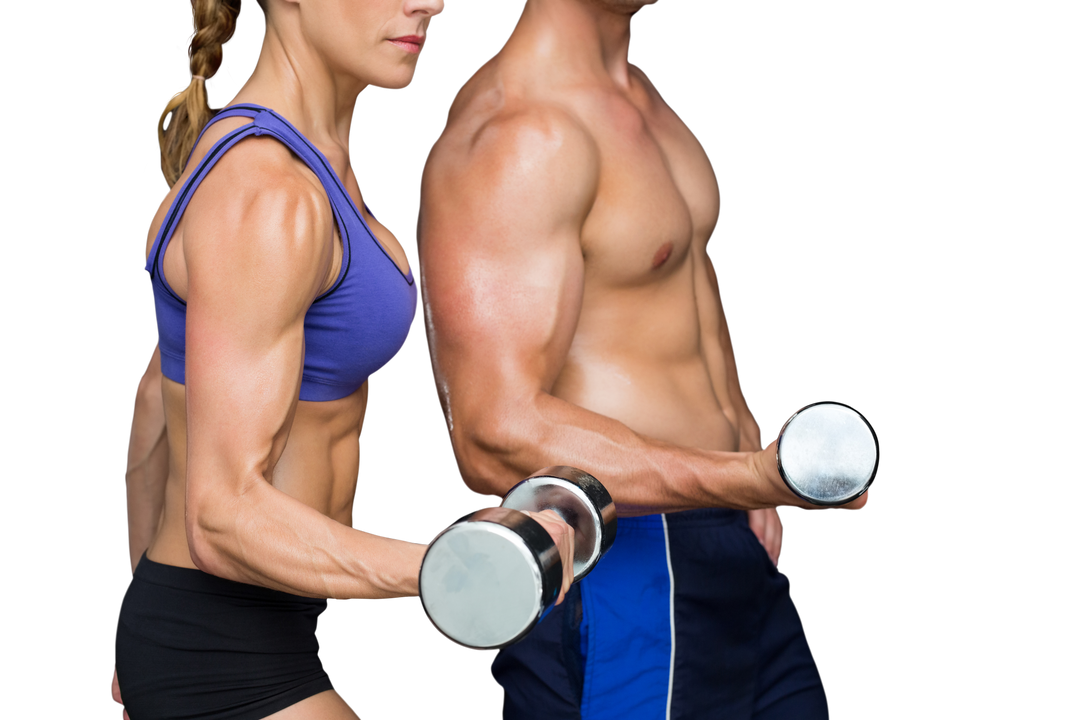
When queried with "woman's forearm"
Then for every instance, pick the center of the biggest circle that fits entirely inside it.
(263, 536)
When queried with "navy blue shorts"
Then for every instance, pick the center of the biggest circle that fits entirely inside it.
(191, 645)
(685, 617)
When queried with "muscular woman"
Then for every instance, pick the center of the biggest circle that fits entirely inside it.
(277, 294)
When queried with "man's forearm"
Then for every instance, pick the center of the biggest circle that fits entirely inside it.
(644, 475)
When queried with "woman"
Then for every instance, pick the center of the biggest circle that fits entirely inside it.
(277, 294)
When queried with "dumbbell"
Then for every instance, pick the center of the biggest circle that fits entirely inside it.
(827, 453)
(488, 579)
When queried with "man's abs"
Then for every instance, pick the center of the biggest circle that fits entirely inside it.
(671, 403)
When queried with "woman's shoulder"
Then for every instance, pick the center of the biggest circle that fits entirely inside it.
(254, 167)
(258, 205)
(257, 177)
(260, 169)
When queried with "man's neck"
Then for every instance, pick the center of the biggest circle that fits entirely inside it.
(576, 34)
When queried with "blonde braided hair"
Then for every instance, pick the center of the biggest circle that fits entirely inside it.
(215, 22)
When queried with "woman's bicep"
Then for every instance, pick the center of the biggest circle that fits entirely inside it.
(254, 264)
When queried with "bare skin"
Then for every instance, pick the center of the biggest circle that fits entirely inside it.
(573, 313)
(231, 473)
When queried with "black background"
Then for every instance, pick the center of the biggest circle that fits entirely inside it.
(804, 121)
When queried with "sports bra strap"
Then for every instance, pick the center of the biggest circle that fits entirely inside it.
(264, 122)
(248, 111)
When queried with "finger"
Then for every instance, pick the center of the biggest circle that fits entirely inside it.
(116, 688)
(857, 502)
(767, 536)
(763, 521)
(757, 524)
(568, 563)
(566, 557)
(568, 568)
(563, 537)
(779, 540)
(776, 531)
(856, 505)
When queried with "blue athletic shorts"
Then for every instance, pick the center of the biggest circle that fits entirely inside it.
(685, 617)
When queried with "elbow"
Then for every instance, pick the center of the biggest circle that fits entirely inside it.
(488, 455)
(204, 535)
(202, 549)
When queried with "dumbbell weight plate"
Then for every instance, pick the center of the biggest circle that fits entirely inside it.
(827, 453)
(488, 579)
(580, 500)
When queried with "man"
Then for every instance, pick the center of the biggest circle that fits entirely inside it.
(574, 318)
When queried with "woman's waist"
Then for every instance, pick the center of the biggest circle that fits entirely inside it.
(193, 580)
(318, 464)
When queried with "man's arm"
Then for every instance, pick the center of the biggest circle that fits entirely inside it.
(147, 463)
(500, 245)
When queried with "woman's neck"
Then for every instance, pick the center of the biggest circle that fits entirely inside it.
(293, 79)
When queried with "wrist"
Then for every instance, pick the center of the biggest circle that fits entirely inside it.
(774, 491)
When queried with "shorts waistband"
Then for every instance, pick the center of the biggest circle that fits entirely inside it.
(687, 518)
(197, 581)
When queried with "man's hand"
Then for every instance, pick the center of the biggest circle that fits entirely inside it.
(777, 493)
(563, 535)
(116, 692)
(769, 530)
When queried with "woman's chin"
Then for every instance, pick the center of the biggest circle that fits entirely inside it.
(392, 85)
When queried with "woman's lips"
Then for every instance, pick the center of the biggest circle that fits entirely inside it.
(409, 43)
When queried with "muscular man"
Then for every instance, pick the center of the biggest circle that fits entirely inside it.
(574, 318)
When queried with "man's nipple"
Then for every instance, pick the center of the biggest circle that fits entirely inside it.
(662, 254)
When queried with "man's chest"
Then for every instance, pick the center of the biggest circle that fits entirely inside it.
(656, 197)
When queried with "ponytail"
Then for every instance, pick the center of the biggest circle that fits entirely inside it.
(215, 21)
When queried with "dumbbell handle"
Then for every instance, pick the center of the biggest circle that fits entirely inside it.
(487, 579)
(580, 500)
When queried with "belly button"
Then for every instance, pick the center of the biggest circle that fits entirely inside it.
(662, 254)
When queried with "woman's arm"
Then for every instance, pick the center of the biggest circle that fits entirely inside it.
(257, 248)
(148, 461)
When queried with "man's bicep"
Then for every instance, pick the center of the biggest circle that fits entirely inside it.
(501, 251)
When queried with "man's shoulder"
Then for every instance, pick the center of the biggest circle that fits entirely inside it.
(497, 116)
(493, 120)
(533, 129)
(511, 160)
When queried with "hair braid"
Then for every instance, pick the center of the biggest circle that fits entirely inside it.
(215, 22)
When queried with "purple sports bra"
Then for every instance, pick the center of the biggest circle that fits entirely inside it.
(352, 329)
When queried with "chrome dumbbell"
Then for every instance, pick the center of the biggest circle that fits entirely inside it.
(490, 577)
(827, 453)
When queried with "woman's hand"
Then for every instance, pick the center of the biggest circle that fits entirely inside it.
(563, 535)
(116, 692)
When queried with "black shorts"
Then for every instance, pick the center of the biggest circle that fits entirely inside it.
(191, 644)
